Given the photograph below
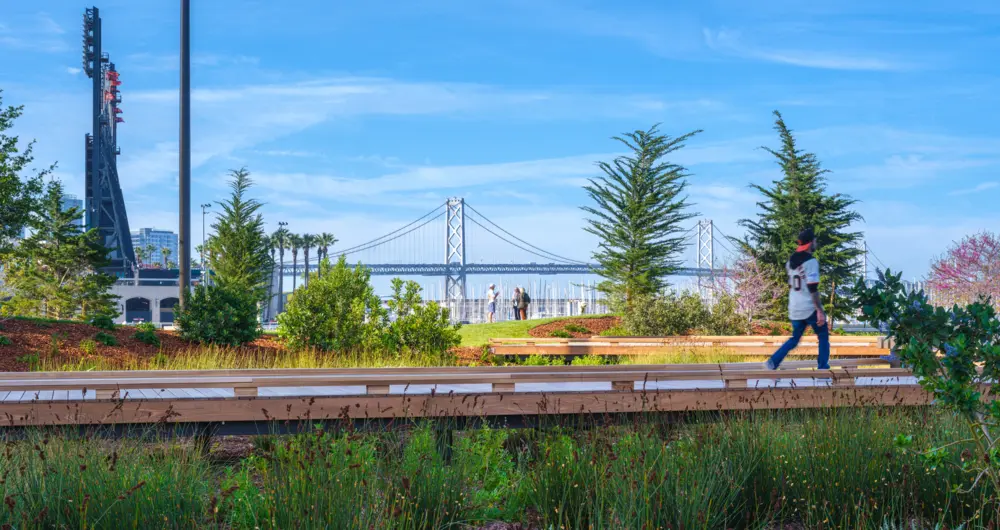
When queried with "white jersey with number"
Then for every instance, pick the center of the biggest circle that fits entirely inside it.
(800, 302)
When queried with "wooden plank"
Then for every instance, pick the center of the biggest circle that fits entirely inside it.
(245, 391)
(503, 387)
(621, 386)
(426, 405)
(377, 389)
(684, 339)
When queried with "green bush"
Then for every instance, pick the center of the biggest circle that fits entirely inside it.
(5, 341)
(419, 328)
(145, 332)
(88, 346)
(542, 360)
(617, 331)
(561, 333)
(101, 321)
(33, 360)
(576, 328)
(337, 311)
(221, 315)
(683, 314)
(592, 360)
(105, 339)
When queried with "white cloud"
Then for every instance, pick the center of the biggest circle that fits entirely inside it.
(73, 70)
(730, 42)
(981, 187)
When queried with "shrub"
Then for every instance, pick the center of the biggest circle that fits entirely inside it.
(671, 314)
(542, 360)
(218, 314)
(105, 339)
(726, 319)
(33, 360)
(5, 341)
(419, 328)
(145, 332)
(561, 333)
(617, 331)
(592, 360)
(576, 328)
(101, 321)
(88, 346)
(337, 311)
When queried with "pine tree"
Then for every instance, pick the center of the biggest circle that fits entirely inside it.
(54, 272)
(18, 196)
(638, 214)
(797, 201)
(239, 255)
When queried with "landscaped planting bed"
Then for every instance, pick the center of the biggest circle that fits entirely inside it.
(815, 469)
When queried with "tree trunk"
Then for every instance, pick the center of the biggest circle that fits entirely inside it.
(305, 258)
(281, 284)
(295, 269)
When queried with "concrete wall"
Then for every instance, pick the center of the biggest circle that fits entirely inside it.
(158, 299)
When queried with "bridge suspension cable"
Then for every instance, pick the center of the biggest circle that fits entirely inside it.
(553, 255)
(509, 242)
(386, 238)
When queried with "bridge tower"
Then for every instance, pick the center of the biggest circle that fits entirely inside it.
(104, 204)
(706, 256)
(454, 258)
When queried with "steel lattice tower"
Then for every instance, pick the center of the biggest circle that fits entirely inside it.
(104, 204)
(454, 258)
(706, 255)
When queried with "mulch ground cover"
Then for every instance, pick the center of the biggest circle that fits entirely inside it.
(594, 326)
(62, 340)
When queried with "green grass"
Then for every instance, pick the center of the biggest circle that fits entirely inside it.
(831, 468)
(479, 334)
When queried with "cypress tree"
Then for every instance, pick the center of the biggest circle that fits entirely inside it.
(637, 214)
(797, 201)
(239, 255)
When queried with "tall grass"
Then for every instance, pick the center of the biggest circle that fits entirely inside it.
(759, 470)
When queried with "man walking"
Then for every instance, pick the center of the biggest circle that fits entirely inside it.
(804, 307)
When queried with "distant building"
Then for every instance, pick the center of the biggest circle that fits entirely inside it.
(159, 239)
(70, 201)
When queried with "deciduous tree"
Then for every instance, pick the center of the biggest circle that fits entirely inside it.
(754, 289)
(18, 193)
(970, 269)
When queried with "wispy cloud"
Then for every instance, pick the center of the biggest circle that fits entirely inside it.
(731, 42)
(982, 187)
(73, 70)
(38, 33)
(150, 62)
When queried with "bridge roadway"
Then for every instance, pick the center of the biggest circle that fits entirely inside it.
(430, 269)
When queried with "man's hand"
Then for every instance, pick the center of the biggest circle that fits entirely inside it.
(820, 318)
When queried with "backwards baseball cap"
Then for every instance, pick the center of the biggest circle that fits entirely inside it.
(806, 237)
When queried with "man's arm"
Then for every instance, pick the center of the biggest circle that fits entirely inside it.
(812, 281)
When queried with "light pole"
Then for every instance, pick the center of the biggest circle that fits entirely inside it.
(204, 210)
(281, 267)
(184, 172)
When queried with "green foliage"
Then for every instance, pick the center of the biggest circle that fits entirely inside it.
(561, 333)
(54, 272)
(541, 360)
(682, 314)
(616, 331)
(418, 328)
(797, 201)
(954, 352)
(106, 339)
(239, 255)
(221, 314)
(5, 340)
(33, 360)
(576, 328)
(18, 193)
(88, 346)
(338, 311)
(101, 321)
(638, 214)
(146, 334)
(592, 360)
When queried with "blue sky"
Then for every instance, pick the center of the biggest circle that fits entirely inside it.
(357, 117)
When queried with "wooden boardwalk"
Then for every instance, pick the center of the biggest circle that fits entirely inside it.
(235, 396)
(840, 346)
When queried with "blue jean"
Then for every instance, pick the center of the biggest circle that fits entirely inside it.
(798, 328)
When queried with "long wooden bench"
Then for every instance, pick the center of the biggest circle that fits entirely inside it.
(100, 398)
(840, 346)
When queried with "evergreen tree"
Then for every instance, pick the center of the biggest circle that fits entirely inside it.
(638, 214)
(239, 256)
(54, 273)
(18, 196)
(797, 201)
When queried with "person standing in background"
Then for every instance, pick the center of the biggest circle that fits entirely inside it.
(491, 303)
(517, 303)
(523, 304)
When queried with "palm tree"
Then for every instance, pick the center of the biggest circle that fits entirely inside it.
(150, 249)
(280, 238)
(200, 250)
(323, 243)
(166, 254)
(307, 240)
(295, 242)
(272, 243)
(140, 254)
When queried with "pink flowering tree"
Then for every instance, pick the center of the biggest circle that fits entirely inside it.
(968, 270)
(751, 286)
